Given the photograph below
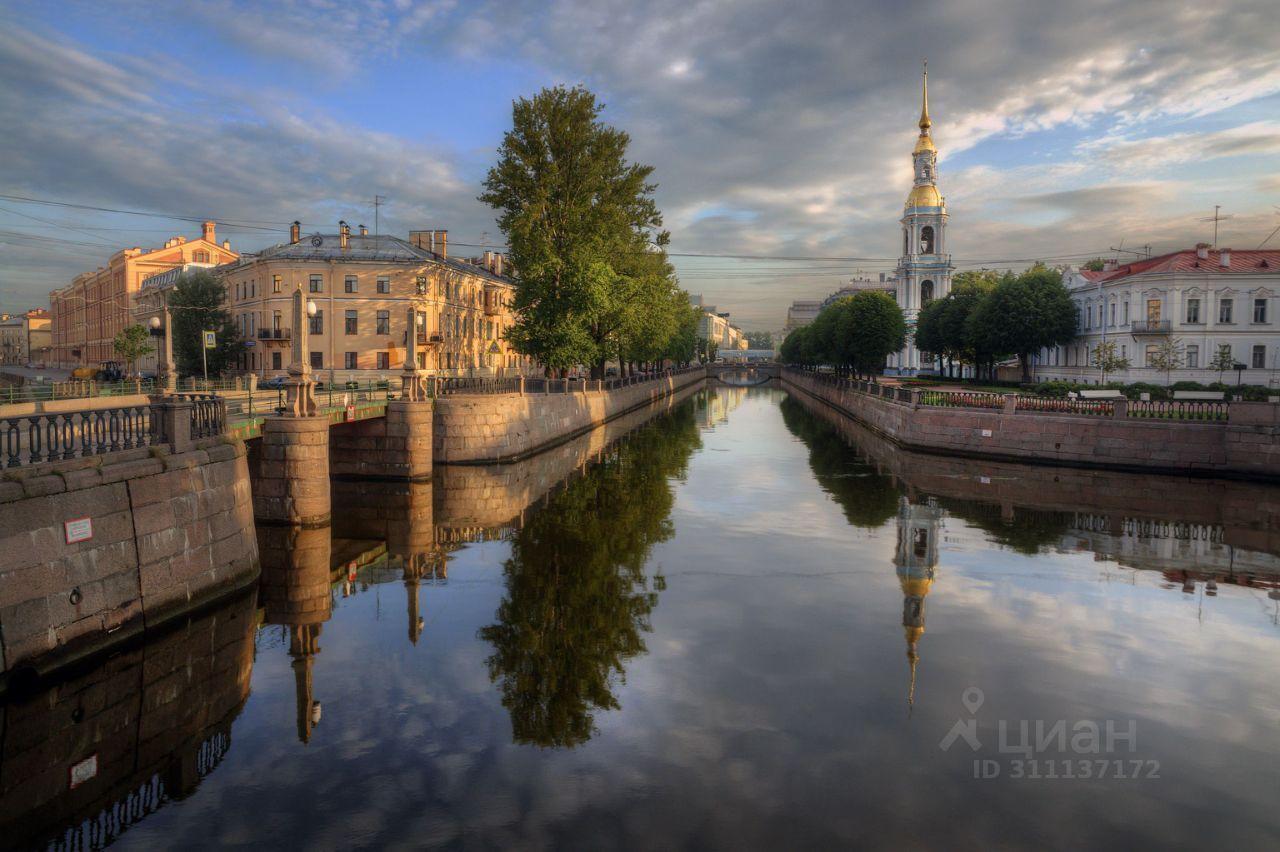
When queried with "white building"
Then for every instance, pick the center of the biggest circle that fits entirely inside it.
(924, 270)
(1203, 300)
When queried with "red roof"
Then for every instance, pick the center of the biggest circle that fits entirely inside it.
(1245, 261)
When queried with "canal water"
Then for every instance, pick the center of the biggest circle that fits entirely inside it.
(742, 624)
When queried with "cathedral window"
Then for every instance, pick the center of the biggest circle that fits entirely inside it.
(926, 239)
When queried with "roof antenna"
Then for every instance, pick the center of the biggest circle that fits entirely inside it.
(1215, 219)
(378, 201)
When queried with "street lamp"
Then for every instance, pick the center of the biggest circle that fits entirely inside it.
(311, 308)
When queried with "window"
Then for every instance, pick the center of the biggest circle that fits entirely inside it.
(350, 284)
(384, 322)
(200, 256)
(926, 290)
(926, 240)
(1113, 313)
(317, 322)
(1088, 323)
(1193, 357)
(384, 361)
(317, 360)
(348, 360)
(275, 320)
(275, 360)
(1259, 359)
(384, 285)
(253, 288)
(351, 322)
(1124, 351)
(276, 282)
(1153, 312)
(1151, 352)
(1126, 313)
(1193, 310)
(1259, 310)
(317, 284)
(1224, 311)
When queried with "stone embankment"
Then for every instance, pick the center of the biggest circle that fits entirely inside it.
(1244, 444)
(484, 429)
(97, 549)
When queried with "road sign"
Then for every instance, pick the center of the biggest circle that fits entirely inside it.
(210, 340)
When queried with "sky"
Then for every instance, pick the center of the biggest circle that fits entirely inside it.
(1066, 128)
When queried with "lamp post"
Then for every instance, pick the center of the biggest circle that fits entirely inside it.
(165, 372)
(300, 400)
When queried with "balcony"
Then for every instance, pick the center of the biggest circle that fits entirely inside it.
(274, 334)
(1147, 327)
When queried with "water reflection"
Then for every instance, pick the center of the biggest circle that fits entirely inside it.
(578, 596)
(87, 758)
(916, 558)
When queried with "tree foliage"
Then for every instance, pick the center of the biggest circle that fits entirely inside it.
(132, 343)
(854, 333)
(593, 281)
(197, 305)
(759, 339)
(1106, 357)
(1023, 314)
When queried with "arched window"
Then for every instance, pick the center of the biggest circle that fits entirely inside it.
(906, 242)
(926, 292)
(926, 239)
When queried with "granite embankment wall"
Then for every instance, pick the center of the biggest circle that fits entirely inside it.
(1247, 512)
(170, 531)
(481, 429)
(1246, 447)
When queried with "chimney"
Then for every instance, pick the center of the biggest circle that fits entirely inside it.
(1224, 257)
(295, 232)
(441, 243)
(1202, 251)
(364, 232)
(1108, 266)
(208, 232)
(226, 244)
(344, 231)
(498, 259)
(488, 260)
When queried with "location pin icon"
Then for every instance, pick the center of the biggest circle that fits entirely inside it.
(972, 699)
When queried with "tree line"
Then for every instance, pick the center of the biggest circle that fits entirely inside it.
(986, 318)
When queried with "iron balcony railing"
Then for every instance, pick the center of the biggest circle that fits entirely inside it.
(1151, 327)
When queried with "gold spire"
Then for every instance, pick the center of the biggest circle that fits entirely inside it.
(925, 123)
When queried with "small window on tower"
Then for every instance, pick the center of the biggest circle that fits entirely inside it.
(926, 292)
(926, 239)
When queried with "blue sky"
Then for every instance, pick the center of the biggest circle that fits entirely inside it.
(1064, 127)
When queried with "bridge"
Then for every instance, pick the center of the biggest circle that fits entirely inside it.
(744, 375)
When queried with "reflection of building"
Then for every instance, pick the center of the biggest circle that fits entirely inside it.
(916, 557)
(89, 312)
(924, 270)
(295, 594)
(363, 286)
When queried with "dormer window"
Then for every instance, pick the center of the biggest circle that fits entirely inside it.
(200, 256)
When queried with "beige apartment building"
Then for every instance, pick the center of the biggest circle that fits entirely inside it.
(363, 287)
(88, 313)
(24, 339)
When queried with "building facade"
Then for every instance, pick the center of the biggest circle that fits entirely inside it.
(714, 327)
(363, 287)
(1195, 303)
(88, 313)
(924, 270)
(25, 339)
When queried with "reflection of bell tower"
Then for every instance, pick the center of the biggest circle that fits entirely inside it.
(916, 556)
(296, 593)
(431, 567)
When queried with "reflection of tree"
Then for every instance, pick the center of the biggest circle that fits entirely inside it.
(577, 595)
(868, 497)
(1021, 529)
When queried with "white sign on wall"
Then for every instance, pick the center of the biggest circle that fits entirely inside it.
(80, 529)
(85, 770)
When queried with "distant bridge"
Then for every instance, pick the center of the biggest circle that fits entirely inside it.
(744, 375)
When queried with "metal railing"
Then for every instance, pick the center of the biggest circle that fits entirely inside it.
(1150, 327)
(208, 414)
(961, 399)
(1057, 405)
(1182, 409)
(72, 389)
(478, 385)
(35, 438)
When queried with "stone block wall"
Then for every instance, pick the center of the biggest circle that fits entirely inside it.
(290, 467)
(170, 531)
(397, 446)
(477, 429)
(1165, 446)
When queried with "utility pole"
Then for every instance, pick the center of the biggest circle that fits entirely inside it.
(378, 201)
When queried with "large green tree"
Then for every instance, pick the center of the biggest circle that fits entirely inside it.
(197, 304)
(760, 339)
(1023, 314)
(584, 231)
(132, 343)
(870, 327)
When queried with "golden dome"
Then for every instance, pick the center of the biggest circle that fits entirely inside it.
(925, 195)
(924, 143)
(915, 586)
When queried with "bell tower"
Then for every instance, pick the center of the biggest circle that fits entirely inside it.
(924, 269)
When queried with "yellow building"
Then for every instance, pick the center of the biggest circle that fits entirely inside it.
(363, 287)
(89, 312)
(24, 339)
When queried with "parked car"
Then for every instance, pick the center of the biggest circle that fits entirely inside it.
(273, 383)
